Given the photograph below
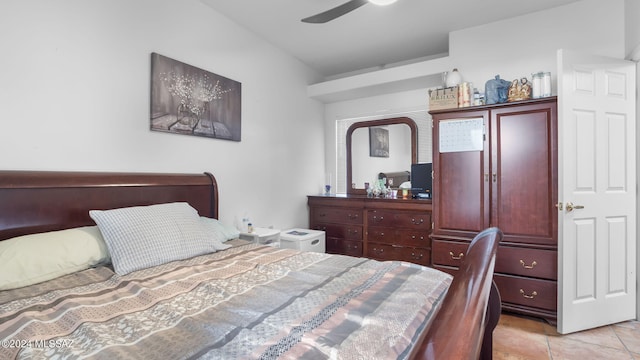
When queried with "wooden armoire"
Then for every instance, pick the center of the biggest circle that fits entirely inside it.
(509, 181)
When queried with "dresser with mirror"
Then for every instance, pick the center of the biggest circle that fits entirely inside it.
(389, 227)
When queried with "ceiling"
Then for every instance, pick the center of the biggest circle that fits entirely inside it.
(370, 37)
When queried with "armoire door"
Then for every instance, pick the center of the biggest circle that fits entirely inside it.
(461, 197)
(524, 190)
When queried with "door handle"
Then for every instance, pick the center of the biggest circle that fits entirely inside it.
(569, 206)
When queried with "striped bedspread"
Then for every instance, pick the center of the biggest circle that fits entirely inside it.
(249, 301)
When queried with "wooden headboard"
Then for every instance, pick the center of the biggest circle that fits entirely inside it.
(39, 201)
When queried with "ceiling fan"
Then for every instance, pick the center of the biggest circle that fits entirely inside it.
(340, 10)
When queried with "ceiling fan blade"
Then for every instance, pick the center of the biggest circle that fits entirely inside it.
(336, 12)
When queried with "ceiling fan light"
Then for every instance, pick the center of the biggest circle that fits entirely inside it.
(382, 2)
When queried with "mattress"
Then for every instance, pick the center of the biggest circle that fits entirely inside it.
(247, 302)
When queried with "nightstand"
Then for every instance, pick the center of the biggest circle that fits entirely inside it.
(264, 236)
(303, 239)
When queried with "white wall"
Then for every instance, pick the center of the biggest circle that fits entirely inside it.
(74, 94)
(632, 28)
(512, 48)
(520, 46)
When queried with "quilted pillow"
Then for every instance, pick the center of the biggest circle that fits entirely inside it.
(31, 259)
(143, 236)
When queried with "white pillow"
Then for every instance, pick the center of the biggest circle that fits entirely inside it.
(143, 236)
(215, 231)
(31, 259)
(223, 232)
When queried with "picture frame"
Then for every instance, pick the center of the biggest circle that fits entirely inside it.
(378, 142)
(192, 101)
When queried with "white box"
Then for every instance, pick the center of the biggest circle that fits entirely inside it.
(262, 236)
(303, 239)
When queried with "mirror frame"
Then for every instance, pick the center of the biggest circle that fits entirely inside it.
(364, 124)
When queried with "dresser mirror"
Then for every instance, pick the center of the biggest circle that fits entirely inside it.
(375, 146)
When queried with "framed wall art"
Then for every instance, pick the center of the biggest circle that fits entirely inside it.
(378, 142)
(193, 101)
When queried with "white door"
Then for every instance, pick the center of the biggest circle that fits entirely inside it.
(597, 191)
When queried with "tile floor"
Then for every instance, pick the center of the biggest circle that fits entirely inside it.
(522, 338)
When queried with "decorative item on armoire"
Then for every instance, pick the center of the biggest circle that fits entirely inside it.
(454, 78)
(465, 94)
(496, 91)
(520, 89)
(541, 85)
(192, 101)
(446, 98)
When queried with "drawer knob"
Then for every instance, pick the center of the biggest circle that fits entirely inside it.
(322, 214)
(416, 222)
(415, 256)
(349, 246)
(533, 264)
(454, 257)
(375, 218)
(353, 216)
(351, 231)
(378, 251)
(533, 294)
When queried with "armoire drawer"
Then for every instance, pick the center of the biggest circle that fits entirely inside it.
(348, 232)
(345, 247)
(400, 219)
(394, 252)
(411, 238)
(534, 263)
(337, 215)
(535, 293)
(448, 252)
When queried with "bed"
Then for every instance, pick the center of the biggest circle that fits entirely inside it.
(241, 300)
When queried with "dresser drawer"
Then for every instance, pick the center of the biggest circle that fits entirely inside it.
(448, 252)
(344, 247)
(411, 238)
(528, 292)
(348, 232)
(415, 238)
(336, 215)
(400, 253)
(527, 262)
(400, 219)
